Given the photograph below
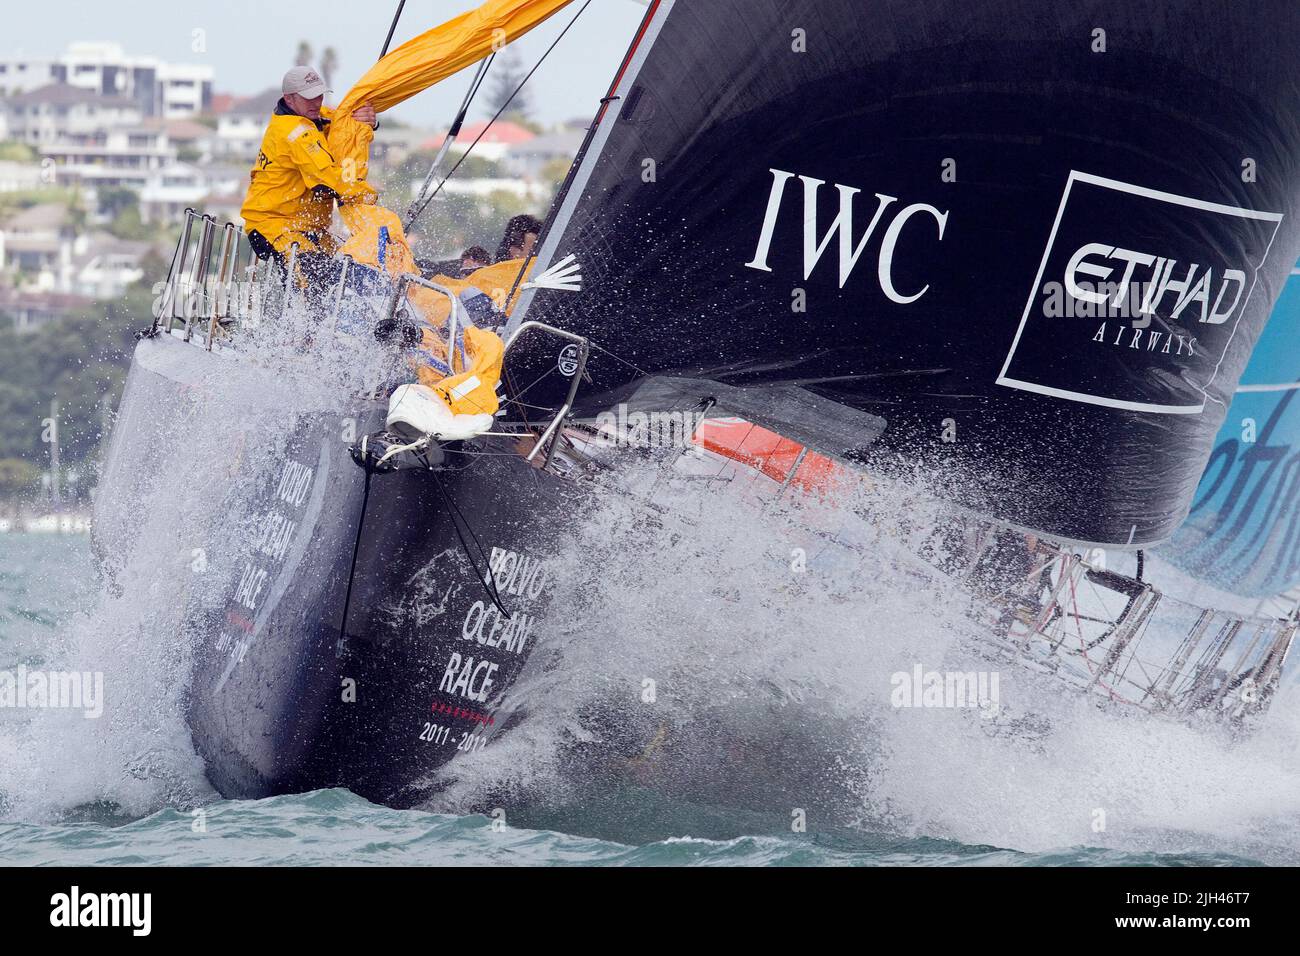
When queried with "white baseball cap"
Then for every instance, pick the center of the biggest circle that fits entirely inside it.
(304, 81)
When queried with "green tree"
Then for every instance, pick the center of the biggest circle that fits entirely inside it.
(329, 64)
(18, 478)
(115, 199)
(77, 214)
(128, 224)
(11, 203)
(303, 56)
(506, 75)
(81, 361)
(16, 152)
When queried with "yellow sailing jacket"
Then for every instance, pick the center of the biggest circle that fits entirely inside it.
(465, 373)
(295, 181)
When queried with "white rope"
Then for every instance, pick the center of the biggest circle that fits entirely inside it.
(418, 445)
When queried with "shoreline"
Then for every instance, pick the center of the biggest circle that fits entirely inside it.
(69, 521)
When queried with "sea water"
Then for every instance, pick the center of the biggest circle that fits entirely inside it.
(768, 738)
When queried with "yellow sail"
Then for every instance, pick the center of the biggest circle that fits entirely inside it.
(419, 63)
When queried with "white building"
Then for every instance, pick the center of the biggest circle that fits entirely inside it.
(30, 310)
(37, 246)
(61, 113)
(240, 131)
(106, 266)
(168, 192)
(194, 141)
(19, 177)
(225, 177)
(40, 253)
(165, 90)
(125, 156)
(19, 74)
(530, 158)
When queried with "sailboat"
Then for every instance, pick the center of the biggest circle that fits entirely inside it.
(1027, 248)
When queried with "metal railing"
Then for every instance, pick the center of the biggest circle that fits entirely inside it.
(202, 284)
(1156, 652)
(550, 433)
(397, 303)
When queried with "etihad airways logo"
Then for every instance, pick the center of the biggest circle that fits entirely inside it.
(1127, 283)
(1138, 296)
(841, 229)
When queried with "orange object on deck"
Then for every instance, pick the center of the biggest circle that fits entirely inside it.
(767, 452)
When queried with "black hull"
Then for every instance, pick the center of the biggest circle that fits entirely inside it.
(282, 697)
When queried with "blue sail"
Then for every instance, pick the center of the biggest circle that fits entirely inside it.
(1243, 531)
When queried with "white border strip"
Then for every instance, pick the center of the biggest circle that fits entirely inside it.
(1100, 400)
(1033, 289)
(1117, 186)
(1285, 387)
(1174, 198)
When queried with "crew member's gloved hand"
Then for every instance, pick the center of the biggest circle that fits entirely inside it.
(400, 331)
(359, 193)
(365, 113)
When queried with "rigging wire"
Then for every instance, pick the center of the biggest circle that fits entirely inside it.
(457, 519)
(496, 116)
(356, 545)
(618, 358)
(392, 28)
(610, 97)
(412, 211)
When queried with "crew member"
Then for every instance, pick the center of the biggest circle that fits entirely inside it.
(520, 238)
(295, 181)
(473, 259)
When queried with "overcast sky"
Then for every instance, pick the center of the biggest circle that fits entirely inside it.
(250, 43)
